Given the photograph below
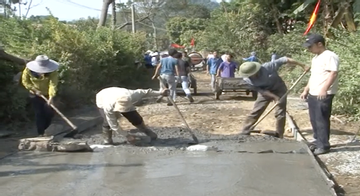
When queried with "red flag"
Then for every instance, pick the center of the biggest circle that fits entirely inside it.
(192, 42)
(313, 18)
(177, 46)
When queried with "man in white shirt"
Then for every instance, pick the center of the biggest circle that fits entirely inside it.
(320, 91)
(114, 102)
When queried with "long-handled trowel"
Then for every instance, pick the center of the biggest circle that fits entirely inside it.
(74, 130)
(196, 141)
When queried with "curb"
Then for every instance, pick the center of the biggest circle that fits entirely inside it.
(319, 166)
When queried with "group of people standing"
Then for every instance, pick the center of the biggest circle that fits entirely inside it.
(40, 77)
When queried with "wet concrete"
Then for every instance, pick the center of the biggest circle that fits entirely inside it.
(242, 166)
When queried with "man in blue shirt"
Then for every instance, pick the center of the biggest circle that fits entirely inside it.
(251, 58)
(168, 68)
(266, 80)
(213, 64)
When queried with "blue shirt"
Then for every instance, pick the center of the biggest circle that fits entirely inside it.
(268, 77)
(147, 59)
(168, 65)
(251, 59)
(213, 64)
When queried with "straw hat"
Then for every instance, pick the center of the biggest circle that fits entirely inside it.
(42, 64)
(248, 69)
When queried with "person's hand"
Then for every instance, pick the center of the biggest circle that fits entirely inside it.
(304, 95)
(271, 95)
(207, 72)
(306, 68)
(322, 94)
(217, 75)
(50, 101)
(36, 92)
(154, 77)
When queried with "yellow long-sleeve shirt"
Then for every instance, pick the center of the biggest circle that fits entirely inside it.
(46, 85)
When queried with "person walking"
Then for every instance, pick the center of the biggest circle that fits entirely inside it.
(184, 71)
(213, 64)
(227, 68)
(320, 91)
(265, 79)
(41, 78)
(115, 102)
(168, 69)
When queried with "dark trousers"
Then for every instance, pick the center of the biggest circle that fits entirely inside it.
(43, 113)
(260, 106)
(320, 112)
(133, 117)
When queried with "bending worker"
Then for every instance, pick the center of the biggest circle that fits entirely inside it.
(114, 102)
(266, 80)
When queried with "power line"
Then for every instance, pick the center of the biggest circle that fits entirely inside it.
(68, 2)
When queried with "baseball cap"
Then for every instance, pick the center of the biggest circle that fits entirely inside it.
(313, 39)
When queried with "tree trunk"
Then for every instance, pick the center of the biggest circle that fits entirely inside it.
(104, 12)
(8, 57)
(113, 14)
(276, 18)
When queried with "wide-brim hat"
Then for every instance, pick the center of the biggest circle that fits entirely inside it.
(42, 64)
(248, 69)
(148, 52)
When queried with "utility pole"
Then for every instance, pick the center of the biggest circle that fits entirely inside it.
(133, 17)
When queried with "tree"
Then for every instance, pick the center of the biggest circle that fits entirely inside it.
(104, 12)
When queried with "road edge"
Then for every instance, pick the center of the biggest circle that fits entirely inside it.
(319, 165)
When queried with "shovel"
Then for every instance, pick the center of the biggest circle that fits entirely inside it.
(277, 103)
(196, 141)
(73, 132)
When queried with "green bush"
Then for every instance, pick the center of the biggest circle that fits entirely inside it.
(90, 59)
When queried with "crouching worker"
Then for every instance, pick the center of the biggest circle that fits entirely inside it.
(40, 77)
(265, 79)
(114, 102)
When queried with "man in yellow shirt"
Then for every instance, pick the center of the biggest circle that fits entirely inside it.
(40, 77)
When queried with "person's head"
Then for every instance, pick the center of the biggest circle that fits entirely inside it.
(43, 65)
(253, 53)
(273, 52)
(172, 52)
(249, 69)
(184, 54)
(315, 43)
(229, 57)
(178, 55)
(215, 53)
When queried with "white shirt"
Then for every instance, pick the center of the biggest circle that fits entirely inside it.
(321, 66)
(114, 99)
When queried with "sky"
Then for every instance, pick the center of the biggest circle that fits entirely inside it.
(66, 9)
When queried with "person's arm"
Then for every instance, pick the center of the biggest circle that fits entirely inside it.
(247, 59)
(53, 83)
(332, 66)
(219, 69)
(208, 65)
(294, 62)
(156, 74)
(263, 92)
(26, 82)
(177, 70)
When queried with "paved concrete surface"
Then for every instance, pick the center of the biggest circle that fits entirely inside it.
(270, 168)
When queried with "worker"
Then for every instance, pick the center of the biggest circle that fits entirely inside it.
(227, 68)
(114, 102)
(184, 71)
(168, 69)
(40, 77)
(213, 65)
(266, 80)
(251, 58)
(320, 91)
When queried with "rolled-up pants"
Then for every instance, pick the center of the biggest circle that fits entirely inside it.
(260, 106)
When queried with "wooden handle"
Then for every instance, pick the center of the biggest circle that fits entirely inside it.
(60, 114)
(276, 104)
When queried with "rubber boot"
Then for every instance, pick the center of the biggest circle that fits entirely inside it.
(107, 135)
(143, 128)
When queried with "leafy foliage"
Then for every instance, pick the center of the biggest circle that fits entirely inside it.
(90, 59)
